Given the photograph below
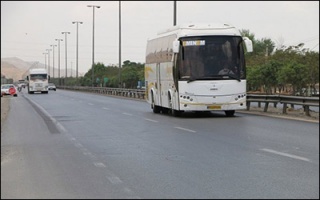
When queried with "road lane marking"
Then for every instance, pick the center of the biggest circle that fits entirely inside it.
(78, 145)
(185, 129)
(130, 192)
(91, 104)
(114, 180)
(99, 164)
(86, 153)
(127, 114)
(286, 154)
(150, 120)
(105, 108)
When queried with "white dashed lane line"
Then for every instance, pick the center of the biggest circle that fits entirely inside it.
(151, 120)
(185, 129)
(286, 154)
(78, 145)
(114, 179)
(99, 164)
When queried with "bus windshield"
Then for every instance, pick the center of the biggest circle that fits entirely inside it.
(211, 58)
(38, 76)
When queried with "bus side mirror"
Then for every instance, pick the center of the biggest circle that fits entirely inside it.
(48, 78)
(27, 77)
(248, 44)
(175, 46)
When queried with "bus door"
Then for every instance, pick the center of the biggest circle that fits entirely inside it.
(158, 84)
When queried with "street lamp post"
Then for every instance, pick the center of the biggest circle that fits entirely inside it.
(93, 7)
(45, 60)
(59, 59)
(53, 45)
(66, 51)
(120, 84)
(174, 13)
(49, 60)
(77, 22)
(71, 69)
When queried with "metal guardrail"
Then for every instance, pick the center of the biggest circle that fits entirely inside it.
(125, 92)
(306, 102)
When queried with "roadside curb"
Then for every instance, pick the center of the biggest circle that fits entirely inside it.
(282, 116)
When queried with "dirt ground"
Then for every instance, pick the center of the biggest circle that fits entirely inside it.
(5, 107)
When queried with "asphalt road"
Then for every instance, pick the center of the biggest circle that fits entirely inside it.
(78, 145)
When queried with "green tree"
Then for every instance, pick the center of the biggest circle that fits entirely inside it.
(295, 74)
(254, 78)
(131, 73)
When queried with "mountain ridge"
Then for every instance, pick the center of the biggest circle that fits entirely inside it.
(16, 68)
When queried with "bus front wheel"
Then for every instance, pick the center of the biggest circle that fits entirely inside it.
(175, 113)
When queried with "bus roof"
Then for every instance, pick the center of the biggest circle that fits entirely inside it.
(185, 30)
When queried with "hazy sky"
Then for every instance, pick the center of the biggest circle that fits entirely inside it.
(28, 28)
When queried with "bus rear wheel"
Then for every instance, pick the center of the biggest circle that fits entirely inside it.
(155, 108)
(229, 113)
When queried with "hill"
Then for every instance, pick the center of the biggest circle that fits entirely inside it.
(17, 69)
(14, 68)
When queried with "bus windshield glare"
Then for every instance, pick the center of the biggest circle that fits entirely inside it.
(211, 58)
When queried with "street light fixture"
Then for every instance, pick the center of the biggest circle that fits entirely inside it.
(59, 59)
(93, 7)
(53, 45)
(66, 50)
(77, 22)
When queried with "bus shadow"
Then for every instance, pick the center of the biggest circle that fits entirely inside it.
(202, 114)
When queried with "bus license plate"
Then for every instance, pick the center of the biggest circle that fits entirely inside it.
(214, 107)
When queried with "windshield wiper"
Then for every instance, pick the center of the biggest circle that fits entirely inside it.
(191, 79)
(233, 76)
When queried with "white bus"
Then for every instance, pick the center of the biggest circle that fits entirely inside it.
(184, 65)
(38, 80)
